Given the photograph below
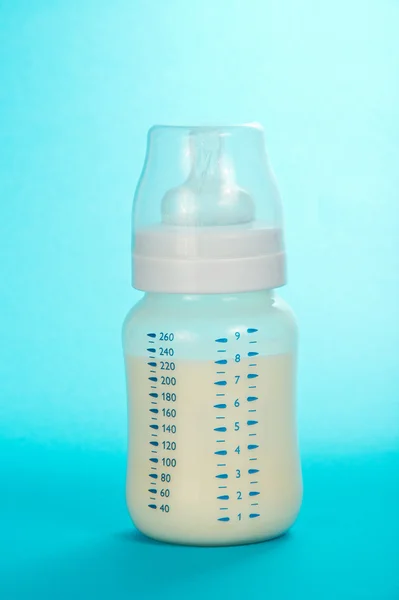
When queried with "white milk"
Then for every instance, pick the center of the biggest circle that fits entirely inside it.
(213, 455)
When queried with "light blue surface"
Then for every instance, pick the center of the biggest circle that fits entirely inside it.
(80, 83)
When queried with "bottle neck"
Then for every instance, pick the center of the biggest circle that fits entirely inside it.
(263, 298)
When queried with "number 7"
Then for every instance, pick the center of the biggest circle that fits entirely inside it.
(237, 378)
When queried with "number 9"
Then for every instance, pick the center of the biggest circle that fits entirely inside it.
(238, 335)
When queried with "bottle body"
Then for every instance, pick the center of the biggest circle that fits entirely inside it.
(213, 454)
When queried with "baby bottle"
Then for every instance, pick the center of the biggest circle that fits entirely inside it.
(210, 350)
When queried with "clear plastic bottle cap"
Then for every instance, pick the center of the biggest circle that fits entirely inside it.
(207, 213)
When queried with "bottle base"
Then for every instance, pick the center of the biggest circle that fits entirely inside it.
(191, 539)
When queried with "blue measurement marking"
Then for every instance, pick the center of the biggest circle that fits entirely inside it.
(252, 422)
(221, 465)
(154, 475)
(255, 504)
(251, 375)
(154, 435)
(220, 372)
(154, 395)
(221, 382)
(154, 443)
(220, 429)
(253, 342)
(253, 515)
(153, 378)
(152, 371)
(152, 335)
(251, 365)
(153, 491)
(154, 410)
(152, 506)
(220, 441)
(223, 361)
(224, 519)
(252, 446)
(251, 434)
(223, 497)
(253, 459)
(252, 387)
(223, 508)
(254, 493)
(222, 476)
(154, 460)
(251, 330)
(220, 417)
(219, 405)
(253, 353)
(220, 395)
(221, 452)
(222, 350)
(152, 364)
(252, 410)
(154, 419)
(154, 426)
(252, 471)
(221, 340)
(222, 487)
(254, 482)
(252, 398)
(151, 350)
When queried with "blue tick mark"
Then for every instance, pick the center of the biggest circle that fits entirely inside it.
(221, 362)
(222, 476)
(252, 471)
(154, 410)
(252, 446)
(221, 382)
(251, 330)
(154, 460)
(221, 340)
(220, 405)
(152, 335)
(152, 364)
(253, 353)
(251, 375)
(153, 475)
(151, 350)
(220, 429)
(154, 395)
(152, 506)
(252, 398)
(252, 422)
(154, 426)
(254, 493)
(221, 452)
(153, 491)
(224, 519)
(154, 443)
(223, 497)
(254, 515)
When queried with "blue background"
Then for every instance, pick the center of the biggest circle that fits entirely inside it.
(80, 84)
